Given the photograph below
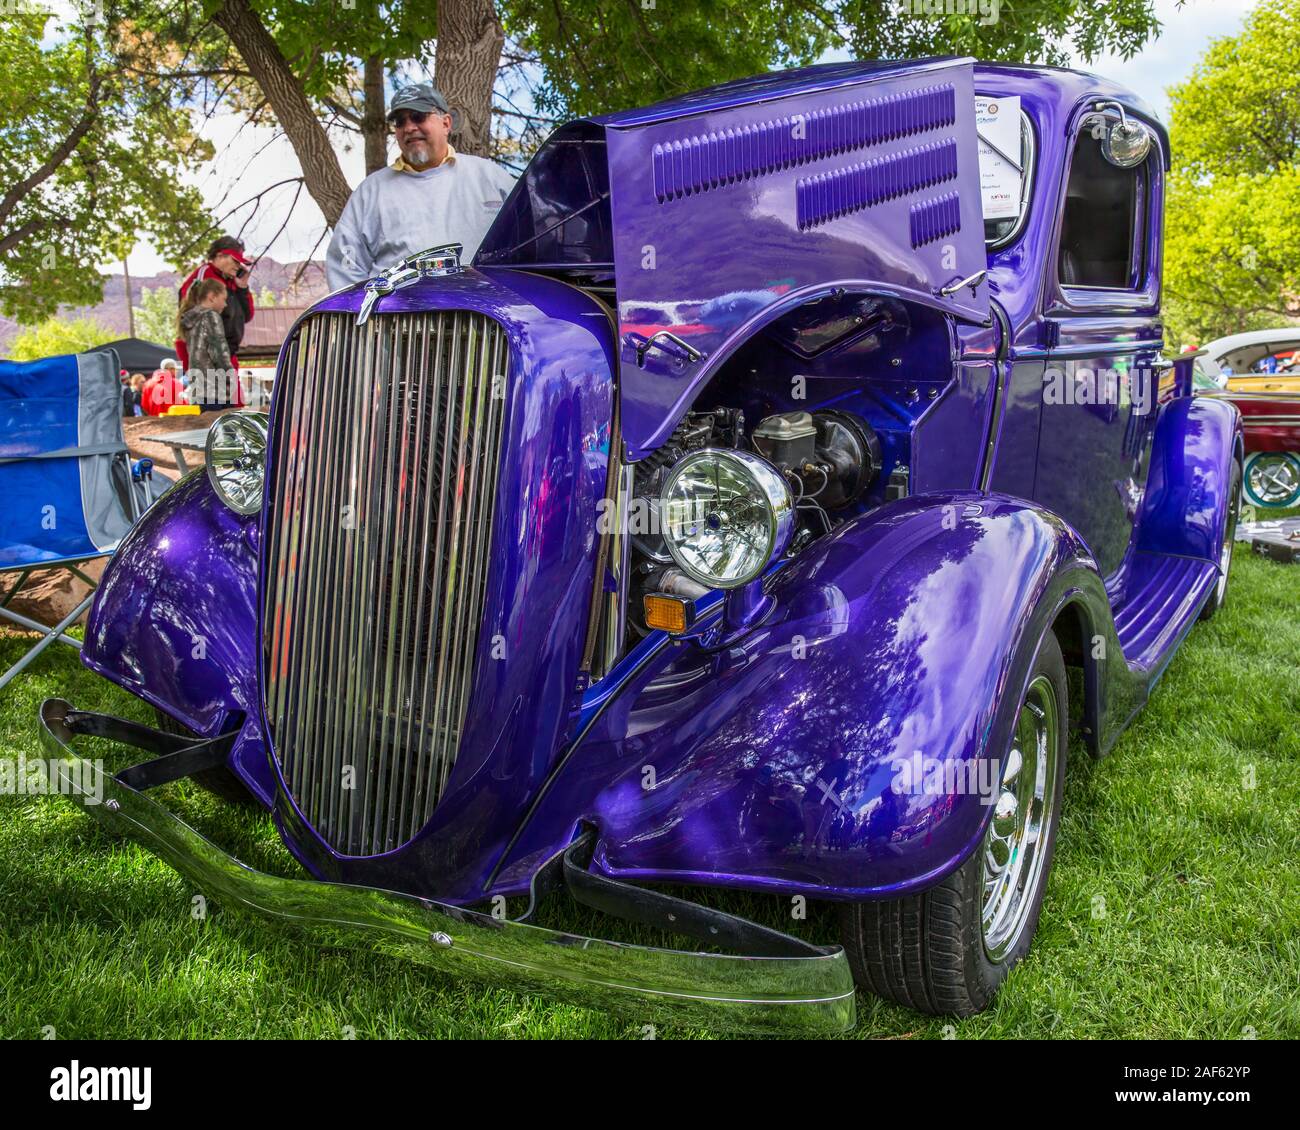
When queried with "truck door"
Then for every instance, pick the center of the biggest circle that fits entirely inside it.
(1102, 301)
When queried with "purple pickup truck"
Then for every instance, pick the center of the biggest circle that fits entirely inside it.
(735, 520)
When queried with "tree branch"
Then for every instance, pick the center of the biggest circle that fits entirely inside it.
(23, 231)
(64, 149)
(284, 90)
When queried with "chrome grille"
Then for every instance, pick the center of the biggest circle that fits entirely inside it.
(386, 447)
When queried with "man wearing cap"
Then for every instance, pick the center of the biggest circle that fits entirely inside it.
(429, 196)
(226, 261)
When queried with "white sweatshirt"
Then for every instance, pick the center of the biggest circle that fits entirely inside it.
(393, 214)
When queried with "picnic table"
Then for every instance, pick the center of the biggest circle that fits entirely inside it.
(196, 439)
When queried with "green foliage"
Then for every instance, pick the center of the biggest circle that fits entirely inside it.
(1239, 110)
(1232, 239)
(58, 335)
(1046, 31)
(155, 317)
(327, 36)
(601, 55)
(324, 42)
(1232, 254)
(93, 154)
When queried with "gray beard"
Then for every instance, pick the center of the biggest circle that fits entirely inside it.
(419, 154)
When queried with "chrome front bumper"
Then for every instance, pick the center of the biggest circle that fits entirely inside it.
(805, 995)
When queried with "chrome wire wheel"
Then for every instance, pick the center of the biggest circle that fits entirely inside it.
(1016, 846)
(1219, 594)
(1229, 539)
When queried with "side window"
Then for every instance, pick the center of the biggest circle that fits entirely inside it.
(1103, 230)
(1266, 359)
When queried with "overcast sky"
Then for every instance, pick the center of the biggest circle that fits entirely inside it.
(249, 160)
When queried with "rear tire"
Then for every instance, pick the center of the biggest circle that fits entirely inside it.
(947, 950)
(218, 780)
(1219, 594)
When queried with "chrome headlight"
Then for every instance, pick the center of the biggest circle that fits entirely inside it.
(726, 514)
(236, 459)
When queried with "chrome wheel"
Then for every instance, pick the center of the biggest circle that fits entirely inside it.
(1273, 478)
(1015, 845)
(949, 948)
(1229, 537)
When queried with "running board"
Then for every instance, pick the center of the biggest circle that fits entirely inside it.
(1164, 597)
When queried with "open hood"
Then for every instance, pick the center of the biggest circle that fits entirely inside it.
(719, 211)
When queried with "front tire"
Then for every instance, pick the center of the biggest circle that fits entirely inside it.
(948, 949)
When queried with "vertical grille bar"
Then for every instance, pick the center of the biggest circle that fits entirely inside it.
(334, 539)
(380, 525)
(429, 716)
(427, 603)
(318, 507)
(282, 539)
(477, 391)
(397, 705)
(448, 668)
(383, 482)
(388, 595)
(373, 527)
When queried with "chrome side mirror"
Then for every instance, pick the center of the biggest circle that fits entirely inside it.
(1126, 142)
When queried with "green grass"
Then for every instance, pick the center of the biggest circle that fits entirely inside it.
(1200, 935)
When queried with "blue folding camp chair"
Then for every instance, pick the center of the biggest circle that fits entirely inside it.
(67, 490)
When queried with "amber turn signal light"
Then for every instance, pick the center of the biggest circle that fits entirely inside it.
(668, 613)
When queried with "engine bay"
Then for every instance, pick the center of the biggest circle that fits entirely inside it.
(828, 458)
(829, 397)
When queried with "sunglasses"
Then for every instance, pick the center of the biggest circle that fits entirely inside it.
(418, 117)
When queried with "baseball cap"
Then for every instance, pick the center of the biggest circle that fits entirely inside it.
(419, 96)
(228, 245)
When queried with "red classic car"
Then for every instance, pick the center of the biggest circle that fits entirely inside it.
(1260, 373)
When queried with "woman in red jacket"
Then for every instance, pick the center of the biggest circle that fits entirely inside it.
(226, 262)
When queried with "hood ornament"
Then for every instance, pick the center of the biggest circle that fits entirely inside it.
(441, 260)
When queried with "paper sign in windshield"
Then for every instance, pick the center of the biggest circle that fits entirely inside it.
(997, 121)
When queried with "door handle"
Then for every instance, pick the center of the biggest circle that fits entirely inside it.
(643, 345)
(972, 281)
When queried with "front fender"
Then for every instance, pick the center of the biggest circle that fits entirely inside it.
(174, 620)
(789, 760)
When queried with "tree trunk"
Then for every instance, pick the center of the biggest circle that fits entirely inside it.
(374, 125)
(130, 310)
(469, 51)
(266, 63)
